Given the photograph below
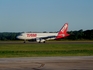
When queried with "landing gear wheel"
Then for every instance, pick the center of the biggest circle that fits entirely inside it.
(44, 42)
(24, 41)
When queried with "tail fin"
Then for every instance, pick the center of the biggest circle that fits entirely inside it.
(63, 32)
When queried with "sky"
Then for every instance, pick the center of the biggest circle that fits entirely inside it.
(45, 15)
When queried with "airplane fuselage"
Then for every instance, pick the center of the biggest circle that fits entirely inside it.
(42, 37)
(28, 36)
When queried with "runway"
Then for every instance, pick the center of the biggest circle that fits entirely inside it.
(48, 63)
(47, 42)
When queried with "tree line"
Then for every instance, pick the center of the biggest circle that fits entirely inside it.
(74, 35)
(4, 36)
(81, 35)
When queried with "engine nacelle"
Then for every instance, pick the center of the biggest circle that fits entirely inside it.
(50, 38)
(40, 40)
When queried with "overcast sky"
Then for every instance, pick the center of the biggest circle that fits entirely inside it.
(45, 15)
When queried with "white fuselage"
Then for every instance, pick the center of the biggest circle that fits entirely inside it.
(29, 36)
(42, 37)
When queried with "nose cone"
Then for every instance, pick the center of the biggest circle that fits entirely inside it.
(19, 37)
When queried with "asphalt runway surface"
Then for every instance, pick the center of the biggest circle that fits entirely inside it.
(48, 63)
(47, 42)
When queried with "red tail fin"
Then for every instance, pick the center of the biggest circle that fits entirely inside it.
(63, 31)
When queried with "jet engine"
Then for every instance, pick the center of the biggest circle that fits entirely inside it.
(40, 40)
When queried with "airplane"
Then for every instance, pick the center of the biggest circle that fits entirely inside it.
(42, 37)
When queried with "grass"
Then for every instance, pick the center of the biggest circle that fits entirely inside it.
(43, 50)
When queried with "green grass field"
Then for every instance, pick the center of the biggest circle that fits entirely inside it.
(43, 50)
